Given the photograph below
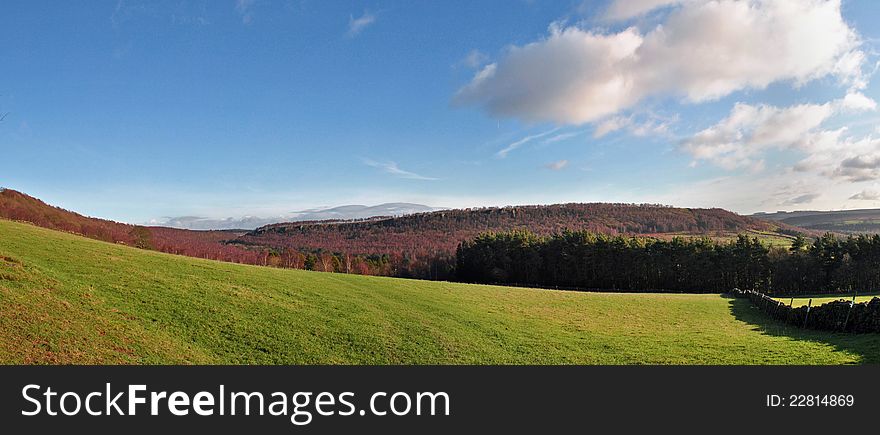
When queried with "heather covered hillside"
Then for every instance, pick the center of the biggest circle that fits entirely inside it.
(419, 245)
(15, 205)
(423, 242)
(18, 206)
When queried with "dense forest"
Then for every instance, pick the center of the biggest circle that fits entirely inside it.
(585, 260)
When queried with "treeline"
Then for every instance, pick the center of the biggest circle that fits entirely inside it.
(423, 245)
(585, 260)
(428, 233)
(435, 267)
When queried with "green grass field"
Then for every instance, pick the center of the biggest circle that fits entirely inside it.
(67, 299)
(822, 299)
(768, 239)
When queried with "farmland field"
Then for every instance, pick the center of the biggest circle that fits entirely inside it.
(68, 299)
(767, 238)
(799, 301)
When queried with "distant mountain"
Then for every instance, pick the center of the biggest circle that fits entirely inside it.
(349, 212)
(344, 212)
(203, 223)
(843, 221)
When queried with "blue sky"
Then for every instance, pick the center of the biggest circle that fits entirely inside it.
(140, 110)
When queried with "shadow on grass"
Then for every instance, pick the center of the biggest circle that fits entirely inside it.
(865, 345)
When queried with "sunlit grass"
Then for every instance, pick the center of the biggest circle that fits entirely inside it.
(67, 299)
(799, 301)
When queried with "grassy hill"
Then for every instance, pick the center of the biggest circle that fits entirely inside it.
(68, 299)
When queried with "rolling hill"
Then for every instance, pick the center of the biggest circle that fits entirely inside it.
(843, 221)
(18, 206)
(420, 245)
(68, 299)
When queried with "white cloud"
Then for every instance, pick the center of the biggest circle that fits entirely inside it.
(703, 50)
(504, 152)
(357, 25)
(557, 165)
(637, 126)
(858, 102)
(393, 169)
(474, 59)
(866, 195)
(626, 9)
(650, 128)
(611, 125)
(834, 155)
(862, 167)
(572, 77)
(561, 137)
(748, 130)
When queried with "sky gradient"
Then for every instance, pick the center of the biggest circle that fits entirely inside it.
(140, 111)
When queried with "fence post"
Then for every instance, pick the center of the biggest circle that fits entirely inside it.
(807, 316)
(791, 303)
(851, 304)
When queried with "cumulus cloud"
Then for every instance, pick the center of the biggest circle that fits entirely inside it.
(702, 51)
(834, 154)
(748, 130)
(857, 168)
(866, 195)
(857, 101)
(572, 77)
(557, 165)
(357, 25)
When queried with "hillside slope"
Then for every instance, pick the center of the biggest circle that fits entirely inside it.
(420, 245)
(843, 221)
(68, 299)
(426, 241)
(18, 206)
